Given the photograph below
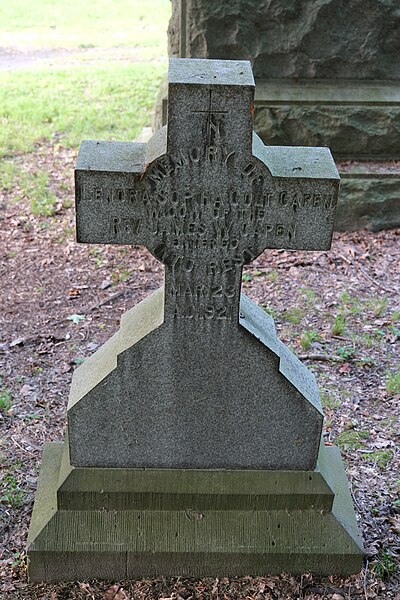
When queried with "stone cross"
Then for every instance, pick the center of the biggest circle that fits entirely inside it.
(205, 195)
(196, 377)
(194, 434)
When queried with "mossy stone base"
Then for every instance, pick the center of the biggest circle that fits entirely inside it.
(128, 523)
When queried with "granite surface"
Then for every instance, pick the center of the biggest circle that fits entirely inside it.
(203, 382)
(317, 39)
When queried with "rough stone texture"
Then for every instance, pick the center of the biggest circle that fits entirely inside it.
(327, 73)
(124, 524)
(204, 196)
(179, 399)
(370, 133)
(355, 120)
(368, 201)
(318, 39)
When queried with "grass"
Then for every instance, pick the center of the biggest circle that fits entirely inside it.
(75, 24)
(385, 564)
(5, 398)
(393, 383)
(377, 305)
(12, 495)
(380, 457)
(112, 102)
(351, 439)
(307, 338)
(329, 399)
(293, 315)
(339, 325)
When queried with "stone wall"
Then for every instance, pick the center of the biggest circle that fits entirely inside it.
(318, 39)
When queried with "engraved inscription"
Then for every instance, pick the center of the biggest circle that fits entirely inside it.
(205, 209)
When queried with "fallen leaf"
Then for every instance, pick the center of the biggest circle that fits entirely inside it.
(76, 318)
(26, 390)
(74, 293)
(115, 593)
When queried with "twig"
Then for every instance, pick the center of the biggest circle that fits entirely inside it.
(346, 260)
(324, 357)
(110, 298)
(372, 280)
(365, 579)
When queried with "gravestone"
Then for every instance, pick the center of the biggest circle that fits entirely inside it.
(327, 73)
(194, 434)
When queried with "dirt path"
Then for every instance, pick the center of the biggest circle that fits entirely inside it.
(15, 58)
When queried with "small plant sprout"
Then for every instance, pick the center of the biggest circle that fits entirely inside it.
(385, 564)
(377, 305)
(308, 338)
(339, 325)
(11, 495)
(393, 383)
(5, 398)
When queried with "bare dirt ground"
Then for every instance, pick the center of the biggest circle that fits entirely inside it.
(338, 310)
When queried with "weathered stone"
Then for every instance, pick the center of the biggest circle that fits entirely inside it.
(355, 121)
(327, 73)
(368, 199)
(194, 434)
(293, 39)
(127, 523)
(205, 197)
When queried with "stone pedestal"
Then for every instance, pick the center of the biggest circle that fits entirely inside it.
(92, 523)
(122, 523)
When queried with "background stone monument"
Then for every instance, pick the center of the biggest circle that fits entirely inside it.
(194, 434)
(327, 74)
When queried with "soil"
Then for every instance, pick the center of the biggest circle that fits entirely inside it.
(61, 300)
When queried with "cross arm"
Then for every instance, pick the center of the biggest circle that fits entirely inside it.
(301, 192)
(110, 207)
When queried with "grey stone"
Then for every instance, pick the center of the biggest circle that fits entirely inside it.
(327, 74)
(194, 435)
(293, 39)
(369, 199)
(356, 121)
(130, 523)
(190, 380)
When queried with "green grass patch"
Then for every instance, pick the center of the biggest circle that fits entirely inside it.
(32, 185)
(350, 304)
(307, 338)
(385, 564)
(43, 201)
(393, 383)
(380, 457)
(112, 102)
(5, 398)
(293, 315)
(377, 305)
(329, 400)
(351, 439)
(339, 325)
(12, 495)
(8, 175)
(76, 24)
